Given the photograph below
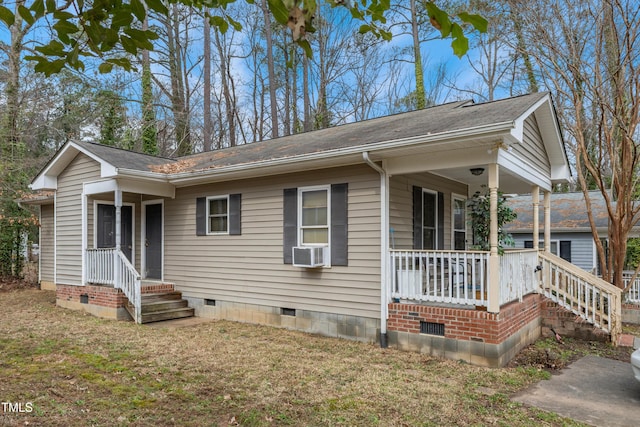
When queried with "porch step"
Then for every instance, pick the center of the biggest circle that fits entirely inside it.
(163, 306)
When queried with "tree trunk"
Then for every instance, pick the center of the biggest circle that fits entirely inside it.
(207, 129)
(149, 129)
(272, 74)
(417, 58)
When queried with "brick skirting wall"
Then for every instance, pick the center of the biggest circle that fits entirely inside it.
(101, 301)
(567, 324)
(466, 324)
(474, 336)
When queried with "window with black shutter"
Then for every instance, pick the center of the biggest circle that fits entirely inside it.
(217, 215)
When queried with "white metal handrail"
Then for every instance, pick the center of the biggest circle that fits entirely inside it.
(586, 295)
(110, 266)
(457, 277)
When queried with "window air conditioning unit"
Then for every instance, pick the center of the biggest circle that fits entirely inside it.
(310, 257)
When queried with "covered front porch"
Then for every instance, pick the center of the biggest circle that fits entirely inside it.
(123, 238)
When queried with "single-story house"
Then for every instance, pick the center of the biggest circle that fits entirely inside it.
(357, 231)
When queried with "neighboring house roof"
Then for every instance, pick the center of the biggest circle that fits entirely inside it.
(336, 146)
(568, 213)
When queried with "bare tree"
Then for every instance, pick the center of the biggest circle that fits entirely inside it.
(588, 53)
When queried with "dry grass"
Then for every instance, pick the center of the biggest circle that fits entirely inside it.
(78, 370)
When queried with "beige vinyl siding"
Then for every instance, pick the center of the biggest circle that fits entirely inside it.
(401, 205)
(249, 268)
(69, 218)
(46, 243)
(532, 150)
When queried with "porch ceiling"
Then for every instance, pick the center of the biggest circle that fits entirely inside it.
(455, 161)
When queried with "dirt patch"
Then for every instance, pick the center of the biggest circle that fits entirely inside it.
(552, 355)
(28, 281)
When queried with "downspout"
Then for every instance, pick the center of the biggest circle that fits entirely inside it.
(384, 246)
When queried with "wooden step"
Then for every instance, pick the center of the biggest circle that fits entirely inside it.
(155, 306)
(165, 296)
(163, 306)
(176, 313)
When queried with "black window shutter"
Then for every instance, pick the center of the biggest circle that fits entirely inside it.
(290, 225)
(234, 214)
(339, 228)
(417, 217)
(440, 245)
(528, 244)
(565, 250)
(201, 214)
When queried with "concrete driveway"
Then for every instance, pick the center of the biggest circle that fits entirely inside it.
(593, 390)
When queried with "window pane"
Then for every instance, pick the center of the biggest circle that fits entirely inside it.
(429, 210)
(459, 214)
(429, 239)
(314, 207)
(218, 207)
(459, 241)
(218, 224)
(315, 235)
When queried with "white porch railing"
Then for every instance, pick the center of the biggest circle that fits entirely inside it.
(455, 277)
(111, 267)
(586, 295)
(518, 274)
(632, 290)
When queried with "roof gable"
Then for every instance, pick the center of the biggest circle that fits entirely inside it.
(110, 159)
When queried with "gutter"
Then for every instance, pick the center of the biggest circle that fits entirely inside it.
(384, 245)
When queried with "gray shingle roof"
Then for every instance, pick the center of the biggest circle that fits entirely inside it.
(451, 117)
(124, 159)
(434, 120)
(568, 212)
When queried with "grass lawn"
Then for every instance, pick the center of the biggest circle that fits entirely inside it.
(77, 370)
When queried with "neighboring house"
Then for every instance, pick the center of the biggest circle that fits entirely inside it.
(571, 235)
(356, 231)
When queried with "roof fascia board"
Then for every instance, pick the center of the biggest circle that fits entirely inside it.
(256, 168)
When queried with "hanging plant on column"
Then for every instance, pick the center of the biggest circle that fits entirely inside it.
(480, 220)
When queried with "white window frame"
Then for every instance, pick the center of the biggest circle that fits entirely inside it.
(435, 216)
(301, 190)
(208, 216)
(454, 230)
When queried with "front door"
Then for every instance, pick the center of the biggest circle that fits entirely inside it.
(106, 229)
(153, 241)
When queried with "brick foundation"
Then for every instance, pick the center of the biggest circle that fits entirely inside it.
(101, 301)
(466, 324)
(567, 324)
(474, 336)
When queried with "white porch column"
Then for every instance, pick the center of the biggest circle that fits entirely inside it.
(494, 258)
(547, 221)
(117, 201)
(535, 193)
(118, 205)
